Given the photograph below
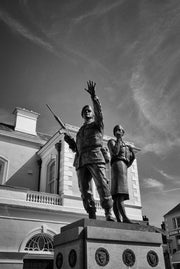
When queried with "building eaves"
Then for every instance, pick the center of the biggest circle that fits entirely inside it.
(8, 131)
(173, 210)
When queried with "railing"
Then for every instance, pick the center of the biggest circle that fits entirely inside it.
(43, 198)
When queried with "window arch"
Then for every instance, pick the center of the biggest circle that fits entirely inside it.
(3, 169)
(51, 177)
(42, 230)
(40, 242)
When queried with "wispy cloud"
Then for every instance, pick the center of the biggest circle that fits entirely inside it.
(172, 179)
(57, 49)
(148, 101)
(22, 30)
(99, 10)
(153, 183)
(165, 175)
(155, 186)
(60, 49)
(155, 81)
(160, 147)
(157, 116)
(171, 190)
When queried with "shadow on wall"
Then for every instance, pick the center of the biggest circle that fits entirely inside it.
(27, 176)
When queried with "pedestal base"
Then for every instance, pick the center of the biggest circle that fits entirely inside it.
(91, 244)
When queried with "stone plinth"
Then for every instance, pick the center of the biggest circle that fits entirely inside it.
(91, 244)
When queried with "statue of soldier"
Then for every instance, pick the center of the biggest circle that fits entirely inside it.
(89, 159)
(122, 157)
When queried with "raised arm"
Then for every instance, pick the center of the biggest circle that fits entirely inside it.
(98, 116)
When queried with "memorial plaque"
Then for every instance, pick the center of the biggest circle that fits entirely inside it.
(129, 257)
(72, 258)
(59, 260)
(102, 256)
(152, 258)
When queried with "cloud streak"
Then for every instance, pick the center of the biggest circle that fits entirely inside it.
(73, 54)
(167, 176)
(154, 83)
(99, 10)
(157, 114)
(22, 30)
(148, 101)
(155, 186)
(153, 183)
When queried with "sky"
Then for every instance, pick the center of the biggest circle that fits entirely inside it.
(49, 49)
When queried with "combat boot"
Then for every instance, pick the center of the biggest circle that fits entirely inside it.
(92, 215)
(108, 215)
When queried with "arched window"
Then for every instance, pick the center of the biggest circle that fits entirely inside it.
(51, 177)
(40, 242)
(3, 170)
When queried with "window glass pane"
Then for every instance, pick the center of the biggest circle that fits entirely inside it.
(51, 173)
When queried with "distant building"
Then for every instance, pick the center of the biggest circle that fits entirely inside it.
(172, 226)
(39, 192)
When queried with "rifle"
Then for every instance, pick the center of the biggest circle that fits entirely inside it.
(61, 123)
(69, 139)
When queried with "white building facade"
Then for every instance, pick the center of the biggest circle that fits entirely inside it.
(39, 192)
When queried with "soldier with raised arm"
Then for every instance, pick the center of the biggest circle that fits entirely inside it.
(89, 159)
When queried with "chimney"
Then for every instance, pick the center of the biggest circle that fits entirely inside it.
(25, 120)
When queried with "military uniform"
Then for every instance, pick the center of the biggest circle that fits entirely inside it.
(90, 163)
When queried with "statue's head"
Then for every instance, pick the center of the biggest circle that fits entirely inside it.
(118, 130)
(87, 112)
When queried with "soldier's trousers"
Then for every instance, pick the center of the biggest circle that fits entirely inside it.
(85, 175)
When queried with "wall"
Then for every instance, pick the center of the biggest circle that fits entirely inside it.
(22, 168)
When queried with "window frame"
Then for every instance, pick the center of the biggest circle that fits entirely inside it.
(3, 174)
(176, 222)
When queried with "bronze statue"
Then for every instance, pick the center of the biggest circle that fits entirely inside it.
(89, 160)
(122, 157)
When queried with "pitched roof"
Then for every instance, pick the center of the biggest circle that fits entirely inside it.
(173, 210)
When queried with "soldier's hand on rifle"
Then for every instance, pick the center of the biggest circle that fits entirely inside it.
(91, 88)
(70, 141)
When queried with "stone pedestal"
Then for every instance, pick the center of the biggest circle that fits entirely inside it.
(91, 244)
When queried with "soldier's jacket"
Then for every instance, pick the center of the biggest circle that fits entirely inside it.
(89, 139)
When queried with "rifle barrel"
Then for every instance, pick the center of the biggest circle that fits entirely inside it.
(57, 118)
